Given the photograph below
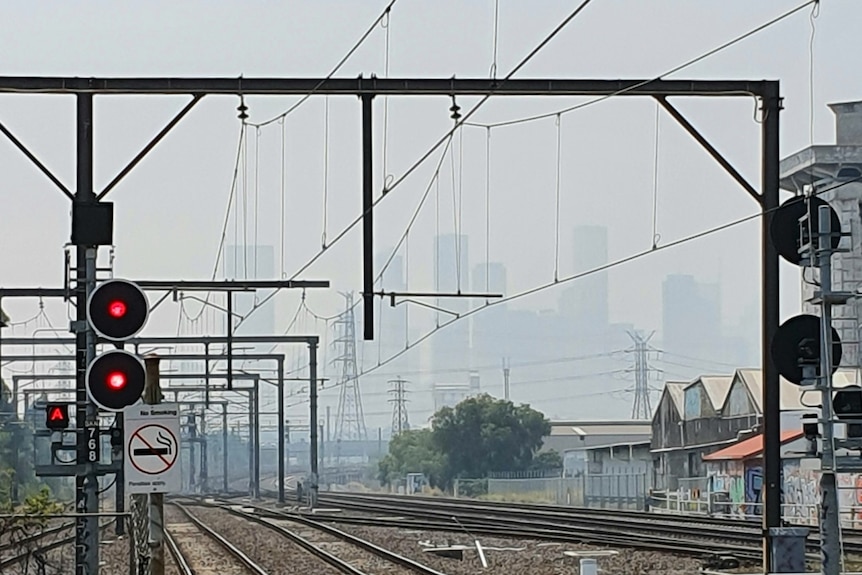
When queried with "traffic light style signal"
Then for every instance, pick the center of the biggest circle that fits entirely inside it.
(117, 310)
(847, 405)
(57, 416)
(797, 343)
(788, 238)
(115, 380)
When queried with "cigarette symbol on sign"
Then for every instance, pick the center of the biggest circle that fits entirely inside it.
(159, 451)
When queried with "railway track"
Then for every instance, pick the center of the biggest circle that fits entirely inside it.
(206, 555)
(696, 536)
(47, 540)
(341, 561)
(262, 516)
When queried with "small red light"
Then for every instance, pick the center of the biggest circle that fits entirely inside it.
(57, 414)
(116, 380)
(117, 309)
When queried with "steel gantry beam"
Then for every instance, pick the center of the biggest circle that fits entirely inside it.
(366, 89)
(206, 376)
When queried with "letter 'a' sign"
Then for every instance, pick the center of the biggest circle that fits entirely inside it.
(152, 448)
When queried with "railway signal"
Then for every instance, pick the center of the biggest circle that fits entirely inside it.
(806, 231)
(57, 416)
(117, 310)
(115, 380)
(847, 406)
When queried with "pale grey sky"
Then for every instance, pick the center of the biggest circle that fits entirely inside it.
(170, 210)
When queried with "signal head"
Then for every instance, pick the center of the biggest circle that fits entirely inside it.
(115, 380)
(117, 310)
(797, 342)
(57, 416)
(784, 228)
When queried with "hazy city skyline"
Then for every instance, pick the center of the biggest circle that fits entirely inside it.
(171, 211)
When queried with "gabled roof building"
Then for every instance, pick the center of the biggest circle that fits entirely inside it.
(703, 416)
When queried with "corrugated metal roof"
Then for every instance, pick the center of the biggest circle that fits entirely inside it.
(749, 447)
(676, 391)
(791, 394)
(591, 428)
(717, 387)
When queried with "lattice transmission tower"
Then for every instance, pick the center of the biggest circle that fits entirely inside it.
(641, 407)
(400, 420)
(349, 419)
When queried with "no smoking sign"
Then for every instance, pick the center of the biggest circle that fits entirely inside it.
(152, 439)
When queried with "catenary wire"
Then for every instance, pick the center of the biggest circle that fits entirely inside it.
(605, 267)
(541, 116)
(280, 118)
(333, 71)
(673, 70)
(559, 28)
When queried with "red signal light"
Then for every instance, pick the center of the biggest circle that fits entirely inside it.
(56, 416)
(116, 380)
(117, 309)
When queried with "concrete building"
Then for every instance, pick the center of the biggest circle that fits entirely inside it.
(819, 168)
(691, 319)
(450, 394)
(586, 301)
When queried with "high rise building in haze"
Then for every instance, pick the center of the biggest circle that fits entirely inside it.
(585, 302)
(452, 274)
(691, 323)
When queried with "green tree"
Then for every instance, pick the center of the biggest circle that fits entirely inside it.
(547, 460)
(482, 434)
(412, 452)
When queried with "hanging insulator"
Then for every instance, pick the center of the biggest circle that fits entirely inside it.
(455, 108)
(242, 109)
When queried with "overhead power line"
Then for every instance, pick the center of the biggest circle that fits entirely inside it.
(608, 266)
(463, 120)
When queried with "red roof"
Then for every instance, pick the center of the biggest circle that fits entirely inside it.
(748, 447)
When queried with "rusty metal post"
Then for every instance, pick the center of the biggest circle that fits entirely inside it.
(153, 395)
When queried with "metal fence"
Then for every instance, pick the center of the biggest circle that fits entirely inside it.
(615, 491)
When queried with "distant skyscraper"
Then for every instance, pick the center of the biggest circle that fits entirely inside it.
(490, 278)
(585, 302)
(452, 273)
(691, 319)
(392, 321)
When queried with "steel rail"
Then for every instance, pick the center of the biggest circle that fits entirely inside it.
(179, 559)
(322, 554)
(717, 529)
(21, 557)
(381, 552)
(8, 545)
(234, 551)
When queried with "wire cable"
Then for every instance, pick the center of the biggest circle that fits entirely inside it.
(557, 191)
(559, 28)
(610, 265)
(673, 70)
(496, 36)
(283, 214)
(337, 67)
(656, 237)
(542, 44)
(488, 212)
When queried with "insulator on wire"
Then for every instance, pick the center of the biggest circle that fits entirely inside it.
(455, 109)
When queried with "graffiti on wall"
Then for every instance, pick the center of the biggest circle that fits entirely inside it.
(800, 494)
